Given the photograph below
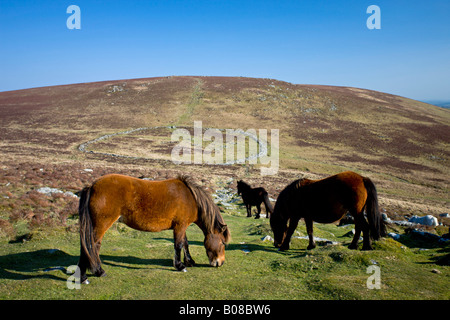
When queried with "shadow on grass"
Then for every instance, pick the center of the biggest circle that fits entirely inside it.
(36, 264)
(443, 260)
(250, 247)
(52, 264)
(135, 263)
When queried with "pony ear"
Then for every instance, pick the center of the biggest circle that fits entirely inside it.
(223, 228)
(226, 232)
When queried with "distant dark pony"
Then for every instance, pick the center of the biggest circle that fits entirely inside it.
(326, 201)
(254, 197)
(149, 206)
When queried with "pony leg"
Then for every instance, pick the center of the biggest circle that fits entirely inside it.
(361, 225)
(188, 261)
(309, 229)
(354, 244)
(83, 264)
(290, 231)
(249, 210)
(177, 259)
(258, 206)
(100, 229)
(179, 236)
(100, 272)
(367, 245)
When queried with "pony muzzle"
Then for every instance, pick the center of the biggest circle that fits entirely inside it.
(277, 242)
(216, 263)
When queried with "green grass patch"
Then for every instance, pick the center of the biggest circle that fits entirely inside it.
(139, 266)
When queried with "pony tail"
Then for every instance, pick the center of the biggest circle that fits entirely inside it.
(88, 249)
(269, 208)
(376, 222)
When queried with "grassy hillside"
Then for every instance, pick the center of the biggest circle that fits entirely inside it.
(401, 144)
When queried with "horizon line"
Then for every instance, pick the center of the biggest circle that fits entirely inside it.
(428, 101)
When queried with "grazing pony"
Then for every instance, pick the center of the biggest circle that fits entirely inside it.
(254, 197)
(149, 206)
(326, 201)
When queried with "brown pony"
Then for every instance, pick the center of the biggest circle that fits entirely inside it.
(149, 206)
(254, 197)
(326, 201)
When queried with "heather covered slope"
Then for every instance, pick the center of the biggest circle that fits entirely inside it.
(402, 143)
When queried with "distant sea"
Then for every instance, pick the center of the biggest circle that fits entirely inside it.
(439, 103)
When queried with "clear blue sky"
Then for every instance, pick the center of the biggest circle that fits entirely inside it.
(305, 42)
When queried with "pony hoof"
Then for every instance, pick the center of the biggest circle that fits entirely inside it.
(85, 282)
(184, 270)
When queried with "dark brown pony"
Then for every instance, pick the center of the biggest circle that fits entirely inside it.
(326, 201)
(254, 197)
(149, 206)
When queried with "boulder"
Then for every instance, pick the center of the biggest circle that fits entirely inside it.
(427, 220)
(49, 191)
(267, 238)
(394, 235)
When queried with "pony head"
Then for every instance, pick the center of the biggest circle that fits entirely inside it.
(239, 187)
(215, 245)
(211, 222)
(280, 216)
(279, 226)
(242, 186)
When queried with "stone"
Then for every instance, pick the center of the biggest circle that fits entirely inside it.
(267, 238)
(394, 236)
(436, 271)
(427, 220)
(49, 191)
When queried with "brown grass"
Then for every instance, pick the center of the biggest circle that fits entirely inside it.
(402, 144)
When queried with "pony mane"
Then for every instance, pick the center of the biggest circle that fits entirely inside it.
(294, 185)
(208, 211)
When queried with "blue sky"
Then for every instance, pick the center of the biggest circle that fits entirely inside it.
(306, 42)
